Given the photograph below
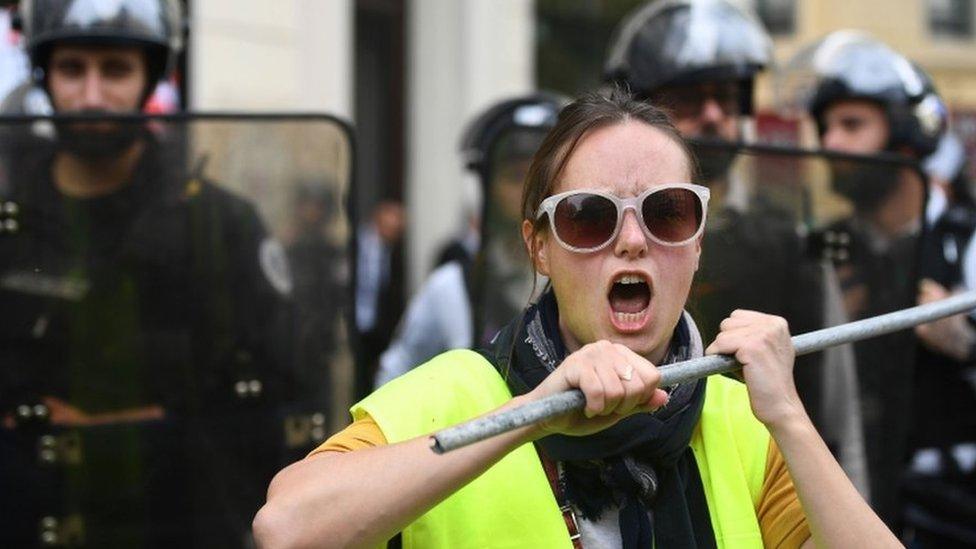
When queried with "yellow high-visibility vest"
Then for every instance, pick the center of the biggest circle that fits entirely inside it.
(512, 504)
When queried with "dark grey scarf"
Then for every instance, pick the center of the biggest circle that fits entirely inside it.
(643, 463)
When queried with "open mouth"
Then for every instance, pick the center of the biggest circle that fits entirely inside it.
(630, 298)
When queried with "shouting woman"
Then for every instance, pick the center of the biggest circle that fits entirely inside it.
(612, 218)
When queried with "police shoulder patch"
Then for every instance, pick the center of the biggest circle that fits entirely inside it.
(274, 265)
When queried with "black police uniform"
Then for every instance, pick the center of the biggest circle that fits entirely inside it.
(946, 402)
(321, 273)
(154, 295)
(940, 506)
(875, 281)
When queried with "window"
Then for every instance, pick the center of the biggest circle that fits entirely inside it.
(572, 40)
(778, 16)
(950, 18)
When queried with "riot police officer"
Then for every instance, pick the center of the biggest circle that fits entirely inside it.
(464, 302)
(696, 58)
(699, 59)
(940, 484)
(144, 304)
(869, 100)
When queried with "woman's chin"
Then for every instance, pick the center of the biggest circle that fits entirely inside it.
(638, 333)
(641, 342)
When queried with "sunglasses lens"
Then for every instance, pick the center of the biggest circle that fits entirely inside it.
(585, 220)
(673, 215)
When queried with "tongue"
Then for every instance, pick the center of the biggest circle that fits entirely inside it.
(629, 298)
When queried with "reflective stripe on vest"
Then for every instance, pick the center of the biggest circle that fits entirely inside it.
(511, 504)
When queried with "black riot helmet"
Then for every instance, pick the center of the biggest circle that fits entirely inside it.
(680, 42)
(497, 147)
(530, 114)
(852, 65)
(154, 25)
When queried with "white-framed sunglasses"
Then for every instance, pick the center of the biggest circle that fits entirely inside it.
(588, 220)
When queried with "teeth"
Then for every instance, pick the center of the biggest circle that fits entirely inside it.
(629, 317)
(630, 279)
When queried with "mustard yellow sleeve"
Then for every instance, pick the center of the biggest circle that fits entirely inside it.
(781, 519)
(362, 433)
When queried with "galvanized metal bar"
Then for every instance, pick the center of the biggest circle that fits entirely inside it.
(680, 372)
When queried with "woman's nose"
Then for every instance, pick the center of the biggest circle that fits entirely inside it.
(631, 241)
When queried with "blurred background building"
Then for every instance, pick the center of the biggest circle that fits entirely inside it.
(408, 73)
(940, 35)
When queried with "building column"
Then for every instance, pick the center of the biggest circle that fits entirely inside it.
(287, 55)
(463, 56)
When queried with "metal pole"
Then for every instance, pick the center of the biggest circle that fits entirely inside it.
(680, 372)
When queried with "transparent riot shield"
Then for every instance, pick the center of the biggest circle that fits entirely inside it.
(176, 293)
(502, 280)
(820, 239)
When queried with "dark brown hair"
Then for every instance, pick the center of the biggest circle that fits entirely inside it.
(588, 112)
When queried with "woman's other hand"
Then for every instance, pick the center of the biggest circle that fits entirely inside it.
(616, 382)
(837, 514)
(761, 343)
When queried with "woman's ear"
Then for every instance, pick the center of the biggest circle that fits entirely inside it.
(535, 244)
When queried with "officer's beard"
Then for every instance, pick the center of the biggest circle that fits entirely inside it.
(714, 155)
(99, 139)
(867, 186)
(715, 165)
